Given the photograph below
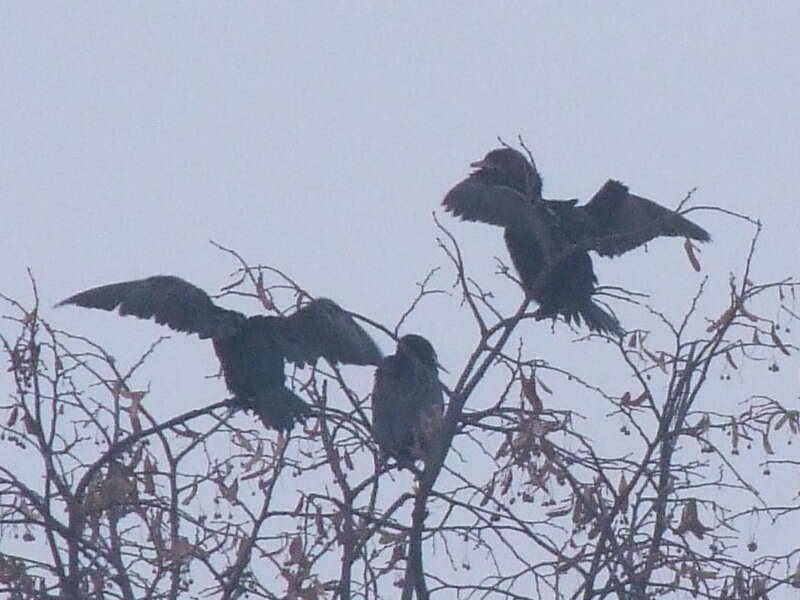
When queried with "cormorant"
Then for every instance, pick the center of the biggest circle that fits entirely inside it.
(251, 350)
(407, 401)
(549, 240)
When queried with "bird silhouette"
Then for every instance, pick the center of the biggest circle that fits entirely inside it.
(407, 401)
(549, 240)
(251, 350)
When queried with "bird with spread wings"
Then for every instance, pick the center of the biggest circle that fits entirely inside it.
(251, 350)
(549, 240)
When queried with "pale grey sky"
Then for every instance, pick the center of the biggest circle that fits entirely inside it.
(319, 138)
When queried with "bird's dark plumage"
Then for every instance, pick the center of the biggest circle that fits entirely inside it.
(549, 240)
(407, 401)
(251, 350)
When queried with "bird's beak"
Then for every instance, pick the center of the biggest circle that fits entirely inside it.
(479, 164)
(441, 368)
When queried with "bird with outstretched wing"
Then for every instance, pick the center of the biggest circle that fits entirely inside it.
(251, 350)
(549, 240)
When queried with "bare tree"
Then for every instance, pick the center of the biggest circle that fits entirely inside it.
(659, 491)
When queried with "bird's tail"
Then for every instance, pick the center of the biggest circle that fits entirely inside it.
(598, 320)
(278, 408)
(595, 318)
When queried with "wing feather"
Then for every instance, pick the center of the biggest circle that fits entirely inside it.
(623, 221)
(473, 200)
(322, 328)
(167, 299)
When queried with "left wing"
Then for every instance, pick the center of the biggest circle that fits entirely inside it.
(322, 328)
(621, 221)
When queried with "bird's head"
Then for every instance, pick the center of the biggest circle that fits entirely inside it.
(418, 347)
(511, 168)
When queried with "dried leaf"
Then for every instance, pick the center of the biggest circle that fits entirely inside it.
(230, 492)
(636, 401)
(765, 443)
(782, 421)
(12, 418)
(191, 495)
(149, 482)
(487, 494)
(508, 477)
(690, 521)
(180, 551)
(729, 358)
(529, 392)
(689, 247)
(241, 441)
(296, 555)
(734, 434)
(622, 493)
(503, 449)
(777, 341)
(261, 292)
(299, 506)
(632, 341)
(723, 320)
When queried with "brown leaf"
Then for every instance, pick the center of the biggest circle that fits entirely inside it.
(723, 320)
(261, 292)
(487, 494)
(729, 358)
(765, 443)
(12, 418)
(529, 392)
(149, 482)
(299, 506)
(690, 521)
(508, 477)
(180, 551)
(632, 341)
(782, 421)
(622, 492)
(777, 341)
(636, 401)
(191, 495)
(241, 441)
(296, 555)
(689, 247)
(734, 434)
(229, 492)
(30, 424)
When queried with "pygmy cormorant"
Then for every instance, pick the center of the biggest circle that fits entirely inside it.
(251, 350)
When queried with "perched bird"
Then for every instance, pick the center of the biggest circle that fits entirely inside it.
(407, 401)
(251, 350)
(549, 240)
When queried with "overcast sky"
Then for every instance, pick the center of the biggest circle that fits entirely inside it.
(318, 138)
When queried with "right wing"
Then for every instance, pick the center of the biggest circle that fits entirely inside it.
(500, 205)
(622, 221)
(169, 300)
